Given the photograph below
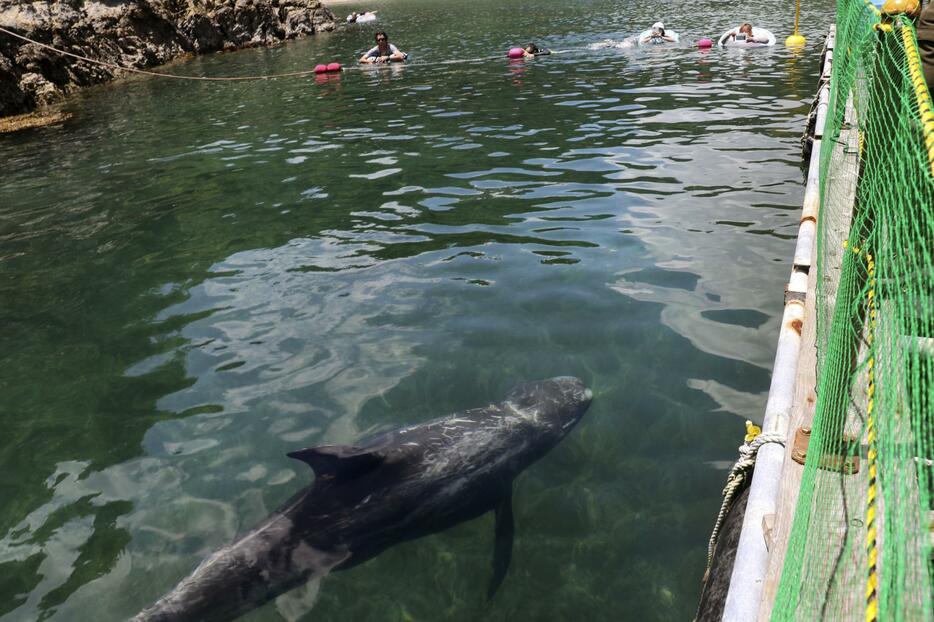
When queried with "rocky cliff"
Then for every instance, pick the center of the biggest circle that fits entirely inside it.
(131, 33)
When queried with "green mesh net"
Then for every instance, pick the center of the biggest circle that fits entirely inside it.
(860, 547)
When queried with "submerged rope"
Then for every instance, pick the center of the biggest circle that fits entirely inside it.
(747, 460)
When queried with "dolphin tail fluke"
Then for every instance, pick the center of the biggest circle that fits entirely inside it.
(502, 548)
(263, 564)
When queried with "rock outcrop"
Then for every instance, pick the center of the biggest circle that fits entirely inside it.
(131, 33)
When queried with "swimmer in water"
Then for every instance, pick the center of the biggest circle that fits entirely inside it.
(531, 51)
(383, 51)
(743, 34)
(366, 16)
(657, 35)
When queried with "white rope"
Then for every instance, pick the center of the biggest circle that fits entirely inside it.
(743, 466)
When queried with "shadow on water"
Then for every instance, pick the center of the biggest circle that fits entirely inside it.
(199, 278)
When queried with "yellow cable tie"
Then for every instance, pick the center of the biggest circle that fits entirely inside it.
(752, 431)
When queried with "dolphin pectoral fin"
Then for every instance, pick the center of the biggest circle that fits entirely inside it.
(502, 548)
(293, 605)
(338, 461)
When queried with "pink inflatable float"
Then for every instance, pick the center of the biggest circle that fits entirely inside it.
(515, 53)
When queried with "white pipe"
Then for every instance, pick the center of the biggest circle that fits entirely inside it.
(807, 229)
(823, 103)
(752, 555)
(825, 73)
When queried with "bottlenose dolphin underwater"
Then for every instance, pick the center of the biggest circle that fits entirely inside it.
(397, 486)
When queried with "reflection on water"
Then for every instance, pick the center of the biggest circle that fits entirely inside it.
(199, 278)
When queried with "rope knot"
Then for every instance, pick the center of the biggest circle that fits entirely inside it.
(753, 441)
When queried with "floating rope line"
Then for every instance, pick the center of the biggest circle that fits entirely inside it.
(753, 440)
(273, 76)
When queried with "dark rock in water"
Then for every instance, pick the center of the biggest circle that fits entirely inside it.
(131, 33)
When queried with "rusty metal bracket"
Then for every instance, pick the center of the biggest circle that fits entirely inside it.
(839, 456)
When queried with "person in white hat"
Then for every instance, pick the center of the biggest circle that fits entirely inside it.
(657, 35)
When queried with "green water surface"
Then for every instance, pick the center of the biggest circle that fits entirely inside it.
(196, 278)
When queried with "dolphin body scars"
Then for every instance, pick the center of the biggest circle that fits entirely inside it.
(398, 486)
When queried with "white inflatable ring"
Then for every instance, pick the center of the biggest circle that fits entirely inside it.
(362, 18)
(758, 33)
(648, 33)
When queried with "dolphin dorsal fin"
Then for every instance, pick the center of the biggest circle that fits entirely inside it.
(338, 461)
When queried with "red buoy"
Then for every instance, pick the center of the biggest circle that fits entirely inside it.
(334, 67)
(321, 68)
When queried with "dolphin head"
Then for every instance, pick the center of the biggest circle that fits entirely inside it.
(554, 405)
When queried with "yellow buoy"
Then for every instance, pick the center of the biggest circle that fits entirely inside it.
(795, 40)
(911, 8)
